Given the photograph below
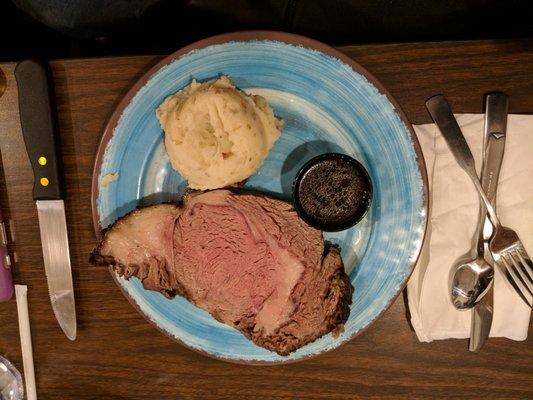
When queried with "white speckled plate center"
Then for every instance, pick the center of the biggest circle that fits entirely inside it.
(328, 103)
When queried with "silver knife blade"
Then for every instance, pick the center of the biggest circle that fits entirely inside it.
(54, 238)
(481, 322)
(494, 146)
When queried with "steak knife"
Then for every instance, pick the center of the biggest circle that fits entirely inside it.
(496, 106)
(39, 129)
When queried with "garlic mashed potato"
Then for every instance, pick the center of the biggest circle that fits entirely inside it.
(215, 134)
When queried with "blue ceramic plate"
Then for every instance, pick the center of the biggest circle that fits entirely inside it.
(329, 104)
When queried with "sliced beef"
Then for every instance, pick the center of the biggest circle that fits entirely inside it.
(247, 259)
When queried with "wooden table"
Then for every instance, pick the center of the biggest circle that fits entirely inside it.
(118, 355)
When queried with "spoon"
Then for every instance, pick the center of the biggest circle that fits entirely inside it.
(472, 276)
(471, 279)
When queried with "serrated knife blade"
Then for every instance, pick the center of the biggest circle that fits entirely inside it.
(40, 133)
(54, 239)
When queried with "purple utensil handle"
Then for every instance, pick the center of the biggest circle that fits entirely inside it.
(6, 280)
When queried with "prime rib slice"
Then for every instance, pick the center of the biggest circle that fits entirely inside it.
(247, 259)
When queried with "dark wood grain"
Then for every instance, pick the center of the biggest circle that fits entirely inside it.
(118, 355)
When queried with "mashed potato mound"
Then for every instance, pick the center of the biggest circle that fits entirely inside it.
(215, 134)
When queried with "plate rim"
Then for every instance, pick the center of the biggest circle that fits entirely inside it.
(246, 36)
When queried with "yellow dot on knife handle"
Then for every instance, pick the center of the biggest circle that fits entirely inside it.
(44, 181)
(42, 160)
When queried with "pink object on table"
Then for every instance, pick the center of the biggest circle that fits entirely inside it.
(6, 280)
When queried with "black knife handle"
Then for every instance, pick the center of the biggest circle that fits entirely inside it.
(39, 128)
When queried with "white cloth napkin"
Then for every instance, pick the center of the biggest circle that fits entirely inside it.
(452, 221)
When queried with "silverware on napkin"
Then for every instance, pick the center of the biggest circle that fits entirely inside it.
(39, 129)
(505, 246)
(496, 106)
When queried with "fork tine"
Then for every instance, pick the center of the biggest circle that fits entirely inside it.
(526, 262)
(528, 283)
(513, 280)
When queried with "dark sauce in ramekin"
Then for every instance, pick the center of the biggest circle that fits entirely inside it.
(332, 192)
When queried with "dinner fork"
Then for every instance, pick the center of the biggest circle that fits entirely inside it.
(506, 248)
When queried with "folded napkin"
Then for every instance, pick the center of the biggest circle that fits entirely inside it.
(453, 214)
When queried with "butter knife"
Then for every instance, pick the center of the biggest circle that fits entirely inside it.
(39, 129)
(496, 106)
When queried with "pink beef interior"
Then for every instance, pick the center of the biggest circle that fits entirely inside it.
(235, 265)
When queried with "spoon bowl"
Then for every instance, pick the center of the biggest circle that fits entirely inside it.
(470, 280)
